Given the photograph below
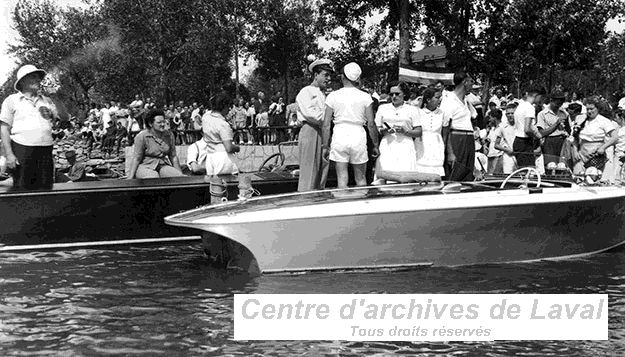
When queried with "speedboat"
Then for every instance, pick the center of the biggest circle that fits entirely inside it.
(408, 225)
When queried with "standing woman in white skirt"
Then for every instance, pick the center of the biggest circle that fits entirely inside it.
(398, 123)
(430, 146)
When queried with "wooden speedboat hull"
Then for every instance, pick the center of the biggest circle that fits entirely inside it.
(112, 210)
(334, 230)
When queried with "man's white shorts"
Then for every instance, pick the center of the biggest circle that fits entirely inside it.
(349, 144)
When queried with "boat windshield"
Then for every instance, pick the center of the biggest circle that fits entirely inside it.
(328, 196)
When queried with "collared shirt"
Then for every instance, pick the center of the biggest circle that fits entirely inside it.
(311, 104)
(523, 111)
(155, 151)
(30, 119)
(492, 135)
(196, 152)
(547, 118)
(216, 130)
(405, 115)
(459, 112)
(496, 100)
(349, 105)
(596, 130)
(507, 135)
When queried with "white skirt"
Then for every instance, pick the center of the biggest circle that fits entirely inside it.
(430, 153)
(220, 163)
(397, 153)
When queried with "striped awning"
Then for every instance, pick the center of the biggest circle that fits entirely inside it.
(415, 76)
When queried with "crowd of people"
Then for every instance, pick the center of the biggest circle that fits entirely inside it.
(454, 131)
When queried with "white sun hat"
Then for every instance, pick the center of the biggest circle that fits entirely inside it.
(26, 70)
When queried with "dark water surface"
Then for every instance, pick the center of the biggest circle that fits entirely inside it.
(168, 301)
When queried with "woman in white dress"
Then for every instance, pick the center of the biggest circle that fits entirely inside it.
(430, 146)
(398, 123)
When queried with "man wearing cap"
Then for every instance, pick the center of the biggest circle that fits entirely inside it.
(551, 123)
(460, 143)
(350, 109)
(310, 111)
(26, 121)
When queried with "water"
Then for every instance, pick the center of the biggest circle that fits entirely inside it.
(168, 301)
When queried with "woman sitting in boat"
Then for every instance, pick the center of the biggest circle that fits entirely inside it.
(399, 123)
(596, 134)
(154, 153)
(219, 138)
(430, 147)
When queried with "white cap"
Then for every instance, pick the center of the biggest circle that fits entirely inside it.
(321, 62)
(26, 70)
(352, 71)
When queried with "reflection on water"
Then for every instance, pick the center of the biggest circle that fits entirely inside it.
(167, 301)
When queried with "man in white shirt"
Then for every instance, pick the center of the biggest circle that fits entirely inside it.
(551, 125)
(310, 112)
(196, 157)
(459, 138)
(505, 140)
(26, 121)
(350, 109)
(527, 135)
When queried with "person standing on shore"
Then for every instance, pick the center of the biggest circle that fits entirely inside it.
(310, 112)
(26, 130)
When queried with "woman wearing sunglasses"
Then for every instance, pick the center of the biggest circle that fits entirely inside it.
(399, 123)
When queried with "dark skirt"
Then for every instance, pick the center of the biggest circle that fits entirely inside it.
(35, 169)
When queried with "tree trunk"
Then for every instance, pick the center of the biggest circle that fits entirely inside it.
(286, 85)
(404, 32)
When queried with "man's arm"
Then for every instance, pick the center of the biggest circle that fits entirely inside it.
(373, 130)
(312, 114)
(5, 135)
(542, 128)
(325, 127)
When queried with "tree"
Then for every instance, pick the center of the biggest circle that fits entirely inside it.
(282, 34)
(400, 15)
(64, 40)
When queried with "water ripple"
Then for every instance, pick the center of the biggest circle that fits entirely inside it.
(168, 301)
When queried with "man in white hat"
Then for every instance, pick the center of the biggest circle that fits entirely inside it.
(350, 109)
(26, 130)
(310, 111)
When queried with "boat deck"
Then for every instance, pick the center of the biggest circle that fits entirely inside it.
(114, 209)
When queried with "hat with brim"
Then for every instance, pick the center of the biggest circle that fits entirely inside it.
(324, 63)
(26, 70)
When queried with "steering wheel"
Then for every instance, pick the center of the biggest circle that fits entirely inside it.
(528, 169)
(266, 166)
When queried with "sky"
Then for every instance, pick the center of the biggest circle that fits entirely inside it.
(9, 34)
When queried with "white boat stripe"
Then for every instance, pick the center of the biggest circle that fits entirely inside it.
(415, 203)
(13, 248)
